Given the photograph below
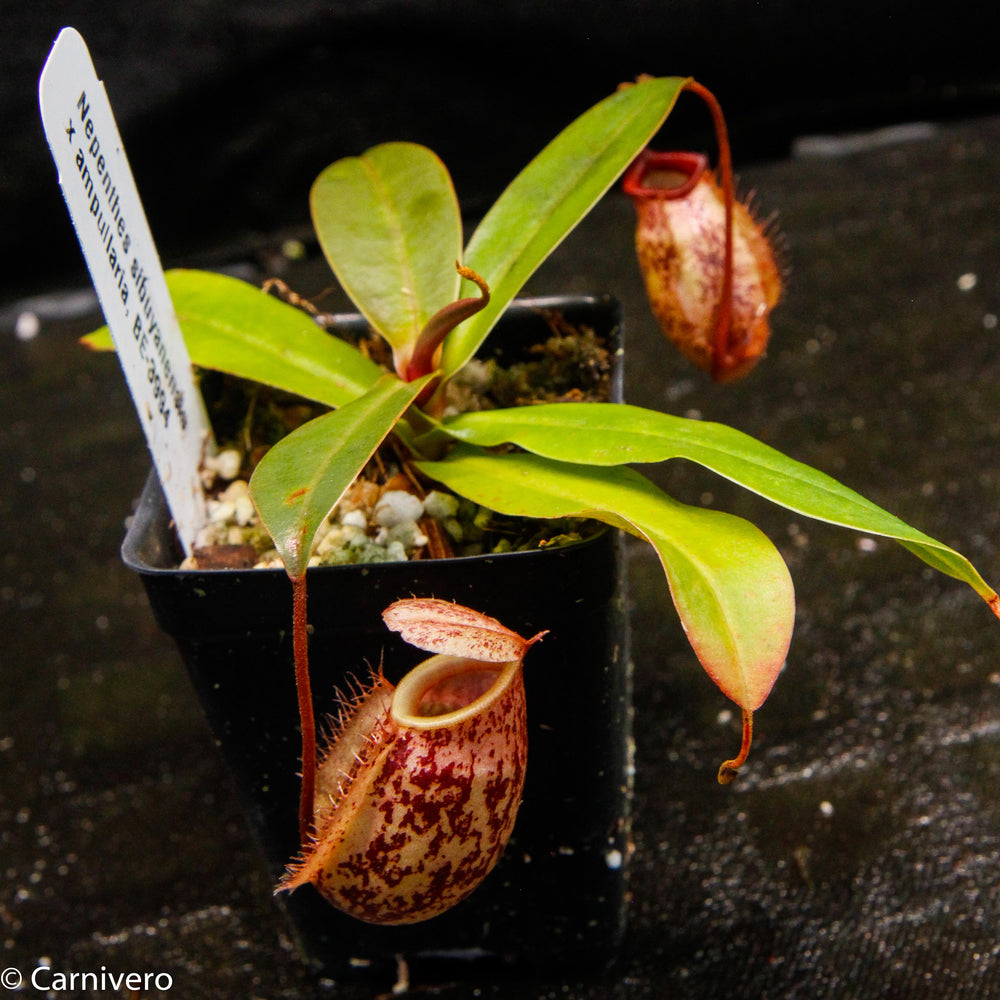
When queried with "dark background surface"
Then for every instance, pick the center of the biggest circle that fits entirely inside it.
(858, 855)
(229, 110)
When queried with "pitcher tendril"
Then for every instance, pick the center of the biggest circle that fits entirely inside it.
(723, 325)
(730, 768)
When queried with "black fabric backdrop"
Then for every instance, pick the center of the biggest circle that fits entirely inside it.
(229, 110)
(858, 855)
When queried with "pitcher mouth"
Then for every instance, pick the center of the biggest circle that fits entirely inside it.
(445, 690)
(664, 174)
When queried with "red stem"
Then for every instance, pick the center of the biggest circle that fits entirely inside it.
(724, 320)
(300, 647)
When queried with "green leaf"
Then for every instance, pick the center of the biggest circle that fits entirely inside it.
(728, 582)
(612, 434)
(299, 481)
(552, 194)
(233, 327)
(389, 224)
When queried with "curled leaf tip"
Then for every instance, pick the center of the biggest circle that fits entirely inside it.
(477, 279)
(994, 603)
(443, 322)
(730, 768)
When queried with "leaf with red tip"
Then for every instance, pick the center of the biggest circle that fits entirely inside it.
(550, 196)
(442, 627)
(609, 434)
(729, 584)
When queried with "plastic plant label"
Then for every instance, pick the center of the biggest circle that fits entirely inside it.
(110, 223)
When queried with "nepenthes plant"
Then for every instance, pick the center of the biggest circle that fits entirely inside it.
(389, 224)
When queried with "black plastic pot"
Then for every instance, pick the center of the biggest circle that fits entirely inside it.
(558, 895)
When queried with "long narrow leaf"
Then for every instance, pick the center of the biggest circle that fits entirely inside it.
(299, 481)
(610, 434)
(552, 194)
(389, 224)
(231, 326)
(728, 582)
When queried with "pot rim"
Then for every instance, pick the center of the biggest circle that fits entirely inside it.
(152, 516)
